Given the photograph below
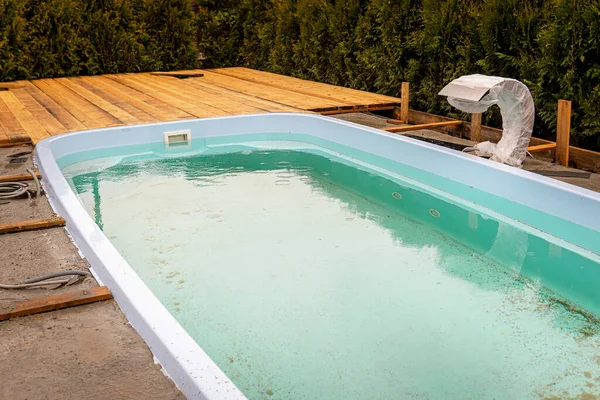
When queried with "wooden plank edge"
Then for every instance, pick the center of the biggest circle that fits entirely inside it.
(11, 85)
(422, 126)
(541, 147)
(179, 74)
(56, 302)
(15, 141)
(18, 178)
(354, 109)
(22, 226)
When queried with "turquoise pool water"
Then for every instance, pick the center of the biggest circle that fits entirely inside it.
(306, 275)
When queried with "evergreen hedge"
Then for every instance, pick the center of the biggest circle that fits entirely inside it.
(551, 45)
(51, 38)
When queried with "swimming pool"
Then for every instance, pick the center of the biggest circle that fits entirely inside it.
(311, 257)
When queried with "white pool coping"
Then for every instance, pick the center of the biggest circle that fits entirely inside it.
(182, 358)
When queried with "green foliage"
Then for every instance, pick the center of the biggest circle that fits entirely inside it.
(49, 38)
(551, 45)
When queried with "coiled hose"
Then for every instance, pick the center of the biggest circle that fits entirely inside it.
(11, 190)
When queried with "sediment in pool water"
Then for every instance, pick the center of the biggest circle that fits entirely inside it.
(304, 277)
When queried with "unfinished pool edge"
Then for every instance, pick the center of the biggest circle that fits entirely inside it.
(184, 360)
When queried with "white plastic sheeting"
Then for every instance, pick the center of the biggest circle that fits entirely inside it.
(477, 93)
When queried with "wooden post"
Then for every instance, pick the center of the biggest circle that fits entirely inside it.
(405, 96)
(563, 132)
(476, 127)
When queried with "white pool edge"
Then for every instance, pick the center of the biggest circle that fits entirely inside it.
(197, 376)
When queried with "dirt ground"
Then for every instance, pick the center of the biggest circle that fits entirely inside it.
(89, 351)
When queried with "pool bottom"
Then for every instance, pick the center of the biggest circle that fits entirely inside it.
(301, 288)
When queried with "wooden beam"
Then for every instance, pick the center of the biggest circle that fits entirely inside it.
(11, 85)
(541, 147)
(18, 178)
(15, 140)
(396, 122)
(353, 110)
(422, 126)
(64, 300)
(180, 74)
(476, 127)
(21, 226)
(563, 132)
(405, 96)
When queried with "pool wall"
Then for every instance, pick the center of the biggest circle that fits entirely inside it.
(565, 211)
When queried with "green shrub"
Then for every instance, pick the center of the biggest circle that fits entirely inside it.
(553, 46)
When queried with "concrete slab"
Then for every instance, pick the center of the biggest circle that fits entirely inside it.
(85, 352)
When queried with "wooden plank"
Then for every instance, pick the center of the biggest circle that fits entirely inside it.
(277, 95)
(10, 85)
(422, 126)
(396, 122)
(230, 95)
(180, 74)
(405, 95)
(160, 94)
(121, 116)
(19, 177)
(177, 89)
(45, 118)
(10, 124)
(85, 112)
(476, 127)
(56, 302)
(151, 105)
(63, 116)
(563, 132)
(338, 94)
(116, 101)
(541, 147)
(33, 128)
(355, 110)
(203, 98)
(15, 140)
(21, 226)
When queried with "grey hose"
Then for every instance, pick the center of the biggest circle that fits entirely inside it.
(37, 183)
(43, 280)
(10, 190)
(55, 275)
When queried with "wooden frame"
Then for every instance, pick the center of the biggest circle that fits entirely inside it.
(18, 178)
(578, 157)
(64, 300)
(13, 227)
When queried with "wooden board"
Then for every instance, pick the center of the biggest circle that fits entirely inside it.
(563, 132)
(422, 126)
(19, 177)
(10, 85)
(56, 302)
(13, 227)
(541, 147)
(341, 95)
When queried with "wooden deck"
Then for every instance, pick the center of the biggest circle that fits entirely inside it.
(41, 108)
